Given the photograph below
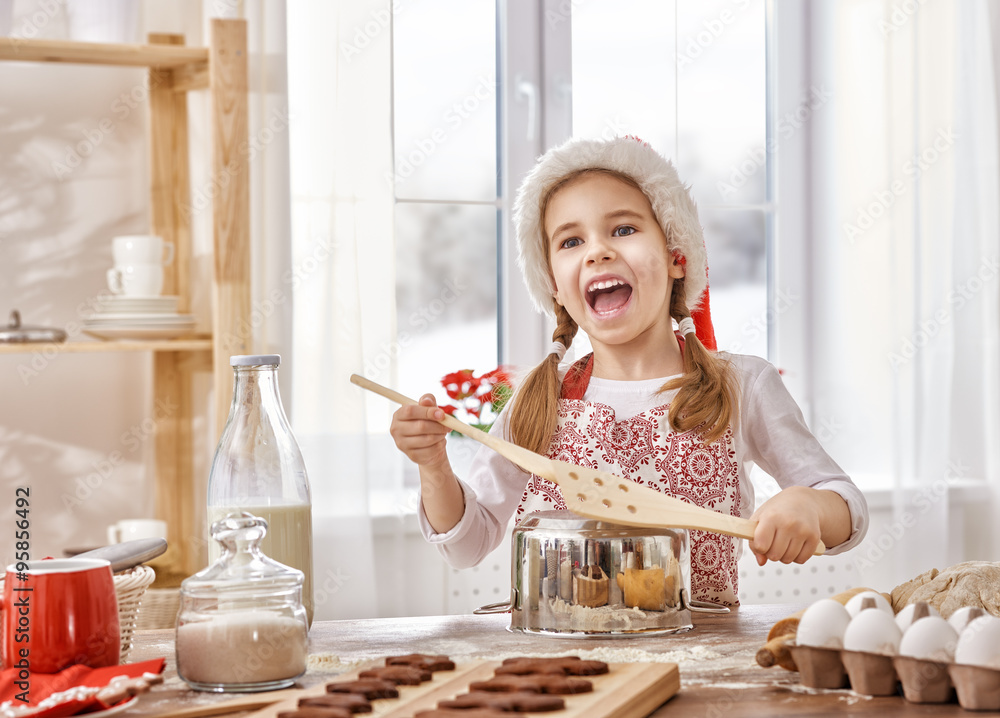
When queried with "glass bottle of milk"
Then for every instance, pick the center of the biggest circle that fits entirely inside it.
(258, 468)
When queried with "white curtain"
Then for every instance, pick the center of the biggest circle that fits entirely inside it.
(342, 276)
(320, 125)
(270, 201)
(322, 287)
(906, 182)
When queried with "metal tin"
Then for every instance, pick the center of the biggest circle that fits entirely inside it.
(15, 332)
(578, 577)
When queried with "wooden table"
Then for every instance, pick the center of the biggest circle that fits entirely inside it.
(719, 677)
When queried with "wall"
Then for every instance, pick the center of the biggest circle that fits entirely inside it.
(75, 428)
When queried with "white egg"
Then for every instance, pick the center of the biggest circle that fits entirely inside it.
(823, 625)
(905, 617)
(979, 644)
(962, 617)
(854, 605)
(929, 638)
(873, 632)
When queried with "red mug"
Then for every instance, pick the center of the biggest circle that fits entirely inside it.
(59, 613)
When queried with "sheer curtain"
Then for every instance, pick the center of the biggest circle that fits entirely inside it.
(342, 279)
(906, 238)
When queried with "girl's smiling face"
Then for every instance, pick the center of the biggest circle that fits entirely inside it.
(609, 260)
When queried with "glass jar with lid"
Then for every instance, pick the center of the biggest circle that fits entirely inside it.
(241, 626)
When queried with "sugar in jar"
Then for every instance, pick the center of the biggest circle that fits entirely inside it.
(241, 625)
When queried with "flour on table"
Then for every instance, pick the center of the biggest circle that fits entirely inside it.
(695, 653)
(329, 663)
(846, 694)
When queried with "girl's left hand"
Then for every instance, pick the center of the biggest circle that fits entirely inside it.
(789, 526)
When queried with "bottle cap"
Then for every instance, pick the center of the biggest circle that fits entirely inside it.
(255, 360)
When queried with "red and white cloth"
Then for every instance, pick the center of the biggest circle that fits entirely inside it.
(52, 695)
(620, 426)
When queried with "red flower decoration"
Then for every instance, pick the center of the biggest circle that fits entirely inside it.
(475, 394)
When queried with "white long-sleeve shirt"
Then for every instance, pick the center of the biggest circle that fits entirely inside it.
(770, 433)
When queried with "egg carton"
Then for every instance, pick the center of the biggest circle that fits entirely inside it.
(926, 679)
(922, 680)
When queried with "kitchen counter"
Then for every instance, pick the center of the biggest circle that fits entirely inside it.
(719, 676)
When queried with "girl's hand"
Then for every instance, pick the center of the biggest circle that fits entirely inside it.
(790, 525)
(419, 435)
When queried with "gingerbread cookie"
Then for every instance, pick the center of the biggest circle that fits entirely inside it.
(316, 713)
(349, 701)
(422, 660)
(458, 713)
(400, 675)
(547, 683)
(370, 688)
(565, 666)
(114, 693)
(590, 586)
(645, 588)
(511, 702)
(122, 687)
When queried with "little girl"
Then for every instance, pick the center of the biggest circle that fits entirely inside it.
(609, 242)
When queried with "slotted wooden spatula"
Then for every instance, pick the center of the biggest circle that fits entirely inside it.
(596, 494)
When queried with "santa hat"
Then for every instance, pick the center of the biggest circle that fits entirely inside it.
(671, 202)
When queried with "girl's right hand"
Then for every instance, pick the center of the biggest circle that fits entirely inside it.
(419, 434)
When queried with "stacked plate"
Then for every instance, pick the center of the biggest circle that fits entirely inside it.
(120, 316)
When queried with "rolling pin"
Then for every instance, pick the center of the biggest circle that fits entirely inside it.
(782, 633)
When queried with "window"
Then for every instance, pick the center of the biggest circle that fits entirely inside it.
(445, 154)
(737, 92)
(691, 79)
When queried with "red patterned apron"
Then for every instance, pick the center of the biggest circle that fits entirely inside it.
(644, 449)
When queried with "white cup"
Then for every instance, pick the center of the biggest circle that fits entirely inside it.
(141, 249)
(132, 529)
(136, 280)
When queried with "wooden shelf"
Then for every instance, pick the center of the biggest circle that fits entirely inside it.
(96, 53)
(174, 69)
(195, 344)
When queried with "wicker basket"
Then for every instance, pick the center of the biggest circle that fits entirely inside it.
(130, 585)
(159, 609)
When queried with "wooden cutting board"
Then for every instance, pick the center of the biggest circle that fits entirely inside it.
(628, 690)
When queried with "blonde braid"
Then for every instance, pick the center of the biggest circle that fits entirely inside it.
(707, 395)
(535, 410)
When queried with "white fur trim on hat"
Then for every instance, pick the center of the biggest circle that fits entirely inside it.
(671, 202)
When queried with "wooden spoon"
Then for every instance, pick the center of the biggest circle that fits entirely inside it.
(593, 493)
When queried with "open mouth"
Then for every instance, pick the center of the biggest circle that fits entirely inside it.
(608, 296)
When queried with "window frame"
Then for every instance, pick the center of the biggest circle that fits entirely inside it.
(535, 112)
